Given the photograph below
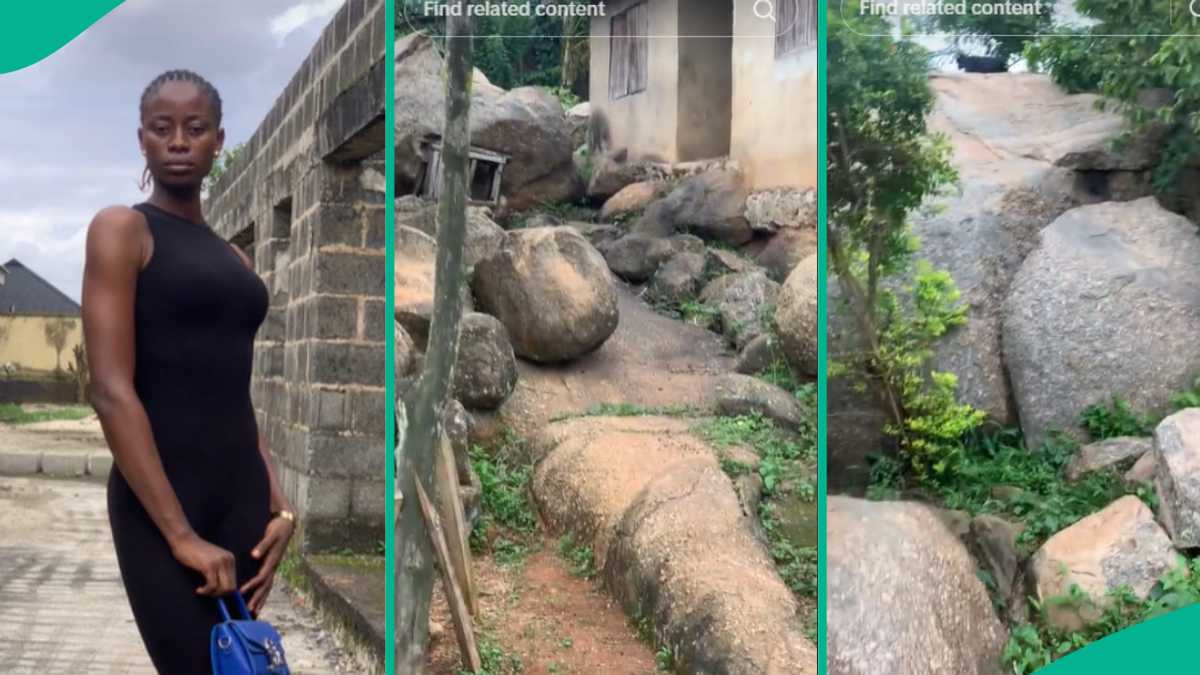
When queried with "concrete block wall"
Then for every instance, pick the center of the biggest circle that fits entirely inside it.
(306, 199)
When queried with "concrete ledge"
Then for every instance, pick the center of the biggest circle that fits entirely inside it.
(56, 464)
(20, 463)
(349, 595)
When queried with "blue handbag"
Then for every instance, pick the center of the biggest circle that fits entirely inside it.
(245, 646)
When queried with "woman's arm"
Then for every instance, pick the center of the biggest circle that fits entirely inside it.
(117, 244)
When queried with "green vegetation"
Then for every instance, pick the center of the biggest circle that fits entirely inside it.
(12, 413)
(507, 525)
(628, 410)
(1034, 645)
(496, 659)
(1000, 34)
(578, 555)
(1156, 55)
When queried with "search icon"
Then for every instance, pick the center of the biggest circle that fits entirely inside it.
(765, 9)
(1194, 8)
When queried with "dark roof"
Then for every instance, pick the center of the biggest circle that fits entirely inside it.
(24, 292)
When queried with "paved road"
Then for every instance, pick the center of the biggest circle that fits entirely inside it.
(62, 607)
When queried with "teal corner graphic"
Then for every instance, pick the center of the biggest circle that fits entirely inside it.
(31, 31)
(1162, 646)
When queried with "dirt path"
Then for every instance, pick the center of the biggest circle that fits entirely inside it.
(547, 620)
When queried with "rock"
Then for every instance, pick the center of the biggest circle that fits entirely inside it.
(741, 299)
(484, 236)
(756, 356)
(1007, 493)
(669, 533)
(1118, 546)
(416, 253)
(1177, 476)
(543, 220)
(632, 199)
(723, 261)
(1106, 453)
(1143, 470)
(782, 208)
(486, 371)
(678, 279)
(636, 258)
(1106, 305)
(781, 252)
(552, 291)
(745, 395)
(456, 424)
(995, 542)
(598, 235)
(527, 124)
(903, 596)
(405, 355)
(711, 205)
(796, 317)
(578, 118)
(612, 172)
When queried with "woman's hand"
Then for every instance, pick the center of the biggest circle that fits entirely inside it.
(213, 562)
(270, 551)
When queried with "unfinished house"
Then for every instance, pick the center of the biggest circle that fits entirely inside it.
(305, 199)
(684, 80)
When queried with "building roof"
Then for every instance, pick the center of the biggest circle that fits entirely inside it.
(25, 293)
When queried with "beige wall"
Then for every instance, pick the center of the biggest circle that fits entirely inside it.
(23, 342)
(705, 79)
(774, 134)
(644, 122)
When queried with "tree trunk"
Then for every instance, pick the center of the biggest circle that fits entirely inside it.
(420, 419)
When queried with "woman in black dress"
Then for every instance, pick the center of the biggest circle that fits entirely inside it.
(170, 311)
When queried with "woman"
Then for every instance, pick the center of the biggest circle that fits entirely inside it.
(169, 316)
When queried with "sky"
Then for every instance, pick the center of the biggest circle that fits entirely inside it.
(68, 124)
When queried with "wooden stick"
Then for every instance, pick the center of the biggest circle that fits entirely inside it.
(463, 628)
(455, 523)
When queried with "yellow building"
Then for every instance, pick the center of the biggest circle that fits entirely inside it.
(682, 80)
(40, 325)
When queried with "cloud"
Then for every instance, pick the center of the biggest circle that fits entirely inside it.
(297, 16)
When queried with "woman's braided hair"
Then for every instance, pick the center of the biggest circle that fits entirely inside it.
(202, 84)
(178, 75)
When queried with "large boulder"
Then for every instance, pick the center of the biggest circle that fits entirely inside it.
(614, 171)
(486, 371)
(1118, 546)
(578, 119)
(738, 394)
(1177, 476)
(484, 236)
(636, 257)
(632, 199)
(553, 292)
(711, 205)
(796, 317)
(416, 253)
(1107, 453)
(779, 253)
(782, 208)
(678, 279)
(742, 301)
(903, 596)
(528, 125)
(1106, 305)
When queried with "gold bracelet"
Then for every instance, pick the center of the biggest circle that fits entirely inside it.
(286, 515)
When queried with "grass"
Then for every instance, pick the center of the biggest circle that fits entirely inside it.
(507, 525)
(12, 413)
(495, 658)
(628, 410)
(579, 556)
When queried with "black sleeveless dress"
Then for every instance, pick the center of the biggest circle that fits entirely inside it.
(197, 309)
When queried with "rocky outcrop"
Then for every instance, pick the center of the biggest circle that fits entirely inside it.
(742, 301)
(903, 595)
(796, 317)
(711, 205)
(528, 125)
(1118, 546)
(1177, 476)
(553, 292)
(782, 208)
(1106, 305)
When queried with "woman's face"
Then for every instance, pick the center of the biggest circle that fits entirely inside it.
(179, 135)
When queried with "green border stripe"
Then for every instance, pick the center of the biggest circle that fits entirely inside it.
(822, 334)
(389, 366)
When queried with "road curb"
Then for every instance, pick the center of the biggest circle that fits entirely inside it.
(56, 464)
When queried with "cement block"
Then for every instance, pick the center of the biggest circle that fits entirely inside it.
(17, 463)
(99, 464)
(64, 464)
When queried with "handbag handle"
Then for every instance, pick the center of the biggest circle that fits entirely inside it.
(241, 605)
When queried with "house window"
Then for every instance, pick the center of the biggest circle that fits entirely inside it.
(798, 21)
(628, 70)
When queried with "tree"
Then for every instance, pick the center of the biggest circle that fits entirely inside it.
(882, 164)
(1149, 74)
(421, 409)
(57, 331)
(1001, 34)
